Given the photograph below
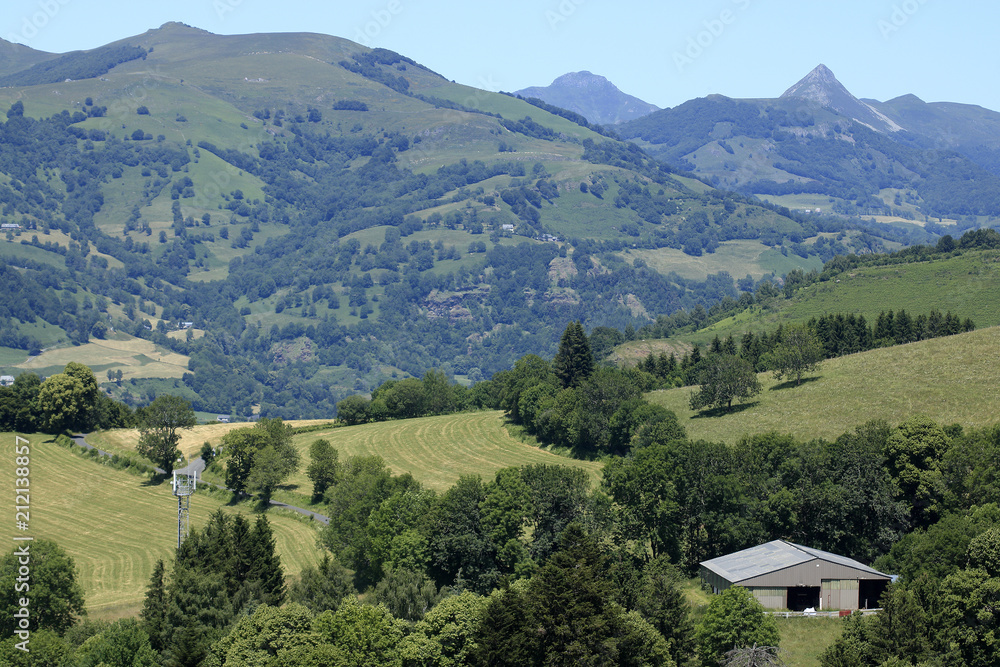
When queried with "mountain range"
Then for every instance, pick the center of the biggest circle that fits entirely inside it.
(271, 222)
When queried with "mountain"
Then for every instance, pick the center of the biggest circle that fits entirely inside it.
(17, 57)
(818, 147)
(968, 129)
(821, 87)
(592, 96)
(271, 222)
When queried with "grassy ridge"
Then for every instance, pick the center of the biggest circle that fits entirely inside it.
(951, 379)
(968, 285)
(116, 525)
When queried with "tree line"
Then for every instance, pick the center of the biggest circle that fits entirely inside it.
(533, 566)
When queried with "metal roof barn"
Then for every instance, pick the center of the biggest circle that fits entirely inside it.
(783, 575)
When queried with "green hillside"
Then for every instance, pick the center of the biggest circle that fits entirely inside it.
(435, 450)
(116, 525)
(332, 216)
(950, 379)
(967, 285)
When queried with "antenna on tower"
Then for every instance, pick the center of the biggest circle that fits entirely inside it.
(184, 485)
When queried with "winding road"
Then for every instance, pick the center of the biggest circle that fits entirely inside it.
(198, 466)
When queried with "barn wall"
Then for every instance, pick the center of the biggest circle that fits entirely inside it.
(811, 573)
(839, 594)
(770, 598)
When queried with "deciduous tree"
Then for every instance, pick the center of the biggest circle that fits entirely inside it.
(724, 377)
(734, 619)
(800, 351)
(56, 597)
(160, 422)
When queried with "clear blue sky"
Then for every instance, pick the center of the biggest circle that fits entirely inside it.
(663, 51)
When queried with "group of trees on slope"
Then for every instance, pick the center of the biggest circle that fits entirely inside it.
(534, 567)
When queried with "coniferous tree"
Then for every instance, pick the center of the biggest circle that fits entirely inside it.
(574, 362)
(266, 565)
(154, 609)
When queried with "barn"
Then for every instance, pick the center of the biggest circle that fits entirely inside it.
(783, 575)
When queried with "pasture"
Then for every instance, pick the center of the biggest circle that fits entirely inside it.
(116, 525)
(739, 258)
(437, 450)
(137, 358)
(950, 379)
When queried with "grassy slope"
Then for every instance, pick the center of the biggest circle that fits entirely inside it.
(435, 450)
(137, 358)
(115, 525)
(739, 258)
(438, 450)
(967, 285)
(950, 379)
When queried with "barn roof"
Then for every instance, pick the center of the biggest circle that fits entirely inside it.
(774, 556)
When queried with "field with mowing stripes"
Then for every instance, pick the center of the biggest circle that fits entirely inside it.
(116, 525)
(438, 450)
(435, 450)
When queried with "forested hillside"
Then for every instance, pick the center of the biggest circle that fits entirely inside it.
(292, 249)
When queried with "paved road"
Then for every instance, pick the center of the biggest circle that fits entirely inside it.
(198, 465)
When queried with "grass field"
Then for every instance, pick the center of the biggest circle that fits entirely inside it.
(115, 525)
(739, 258)
(968, 285)
(125, 440)
(803, 639)
(951, 379)
(137, 358)
(437, 450)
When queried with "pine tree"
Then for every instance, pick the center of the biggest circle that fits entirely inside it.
(570, 604)
(154, 609)
(574, 362)
(266, 564)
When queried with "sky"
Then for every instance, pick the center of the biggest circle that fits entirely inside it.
(664, 52)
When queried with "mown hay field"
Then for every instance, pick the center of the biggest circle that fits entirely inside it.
(192, 439)
(951, 379)
(135, 357)
(116, 525)
(437, 450)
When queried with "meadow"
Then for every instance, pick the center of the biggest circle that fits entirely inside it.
(966, 285)
(738, 258)
(116, 525)
(135, 357)
(435, 450)
(950, 379)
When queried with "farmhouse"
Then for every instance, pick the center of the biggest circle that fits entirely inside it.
(6, 380)
(782, 575)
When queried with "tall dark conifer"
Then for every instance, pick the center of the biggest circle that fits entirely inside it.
(154, 609)
(266, 564)
(574, 362)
